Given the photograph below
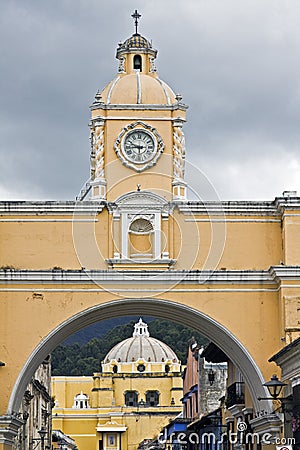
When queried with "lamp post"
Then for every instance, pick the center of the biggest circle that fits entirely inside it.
(211, 376)
(275, 387)
(42, 432)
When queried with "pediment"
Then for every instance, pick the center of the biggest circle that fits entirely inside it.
(142, 199)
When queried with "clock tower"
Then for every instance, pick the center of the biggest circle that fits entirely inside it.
(136, 129)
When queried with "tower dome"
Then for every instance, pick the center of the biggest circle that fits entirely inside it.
(136, 41)
(141, 349)
(137, 81)
(138, 89)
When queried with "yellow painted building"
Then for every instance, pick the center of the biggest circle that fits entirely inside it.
(137, 392)
(133, 243)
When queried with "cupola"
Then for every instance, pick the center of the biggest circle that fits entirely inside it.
(136, 52)
(141, 353)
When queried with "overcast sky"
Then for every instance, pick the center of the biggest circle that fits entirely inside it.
(236, 63)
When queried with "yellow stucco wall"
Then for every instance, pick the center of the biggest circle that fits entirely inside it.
(246, 243)
(107, 407)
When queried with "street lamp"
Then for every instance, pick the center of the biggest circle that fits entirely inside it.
(42, 432)
(211, 376)
(275, 387)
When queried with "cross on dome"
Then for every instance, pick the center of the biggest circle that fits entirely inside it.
(140, 329)
(136, 16)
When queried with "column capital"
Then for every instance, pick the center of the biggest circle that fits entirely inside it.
(9, 426)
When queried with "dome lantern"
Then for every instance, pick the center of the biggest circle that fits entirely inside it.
(136, 53)
(141, 329)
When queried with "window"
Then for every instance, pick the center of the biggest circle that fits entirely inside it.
(131, 398)
(152, 398)
(137, 62)
(141, 368)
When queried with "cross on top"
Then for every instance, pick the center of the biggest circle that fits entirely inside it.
(136, 16)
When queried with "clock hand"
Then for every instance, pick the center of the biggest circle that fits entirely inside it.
(139, 147)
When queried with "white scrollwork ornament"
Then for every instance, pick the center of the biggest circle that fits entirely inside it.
(152, 65)
(122, 65)
(98, 150)
(178, 153)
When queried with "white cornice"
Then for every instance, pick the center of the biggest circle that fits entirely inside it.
(230, 207)
(279, 273)
(210, 208)
(94, 121)
(139, 107)
(273, 276)
(50, 207)
(129, 277)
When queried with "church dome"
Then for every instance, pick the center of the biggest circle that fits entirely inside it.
(135, 41)
(141, 347)
(138, 88)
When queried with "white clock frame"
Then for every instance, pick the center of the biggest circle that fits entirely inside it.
(119, 146)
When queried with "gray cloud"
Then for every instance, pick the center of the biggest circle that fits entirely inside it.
(236, 63)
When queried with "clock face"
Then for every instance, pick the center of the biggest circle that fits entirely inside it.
(139, 146)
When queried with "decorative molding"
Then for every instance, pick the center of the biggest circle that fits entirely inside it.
(9, 426)
(148, 263)
(142, 200)
(44, 208)
(189, 208)
(139, 90)
(268, 423)
(121, 68)
(99, 151)
(152, 65)
(288, 360)
(113, 84)
(241, 208)
(230, 277)
(165, 89)
(280, 273)
(156, 118)
(142, 106)
(178, 152)
(42, 220)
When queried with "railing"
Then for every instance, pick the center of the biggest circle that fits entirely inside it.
(235, 394)
(84, 191)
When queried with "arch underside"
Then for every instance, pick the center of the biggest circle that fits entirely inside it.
(207, 326)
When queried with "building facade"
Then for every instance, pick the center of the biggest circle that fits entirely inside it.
(36, 412)
(137, 392)
(204, 383)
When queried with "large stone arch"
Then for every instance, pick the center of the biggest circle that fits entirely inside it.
(183, 314)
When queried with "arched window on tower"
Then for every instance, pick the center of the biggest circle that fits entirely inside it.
(137, 62)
